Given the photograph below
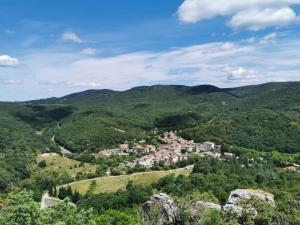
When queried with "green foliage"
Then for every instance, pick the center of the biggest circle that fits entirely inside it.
(113, 217)
(42, 164)
(264, 117)
(221, 177)
(65, 192)
(120, 200)
(21, 210)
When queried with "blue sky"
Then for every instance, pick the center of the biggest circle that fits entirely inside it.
(55, 47)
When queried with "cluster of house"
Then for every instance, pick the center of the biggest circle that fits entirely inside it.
(173, 150)
(165, 156)
(176, 149)
(175, 143)
(124, 150)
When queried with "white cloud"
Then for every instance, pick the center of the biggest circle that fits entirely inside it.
(238, 73)
(64, 83)
(257, 19)
(71, 37)
(11, 82)
(250, 14)
(268, 38)
(8, 61)
(223, 64)
(88, 51)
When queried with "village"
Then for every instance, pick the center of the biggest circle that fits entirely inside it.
(172, 150)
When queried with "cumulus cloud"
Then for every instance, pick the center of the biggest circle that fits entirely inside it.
(238, 73)
(8, 61)
(71, 37)
(250, 14)
(88, 51)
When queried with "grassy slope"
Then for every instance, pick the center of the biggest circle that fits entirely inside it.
(63, 164)
(115, 183)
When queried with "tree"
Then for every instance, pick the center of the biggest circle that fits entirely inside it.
(42, 164)
(101, 171)
(75, 197)
(113, 217)
(22, 210)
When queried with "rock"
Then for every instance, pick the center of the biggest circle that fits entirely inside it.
(163, 209)
(239, 195)
(197, 210)
(206, 205)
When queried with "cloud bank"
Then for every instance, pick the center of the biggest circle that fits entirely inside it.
(224, 64)
(250, 14)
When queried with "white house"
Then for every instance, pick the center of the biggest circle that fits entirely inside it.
(208, 146)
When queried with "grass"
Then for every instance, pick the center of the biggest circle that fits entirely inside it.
(115, 183)
(63, 164)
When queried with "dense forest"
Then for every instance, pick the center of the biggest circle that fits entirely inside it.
(263, 117)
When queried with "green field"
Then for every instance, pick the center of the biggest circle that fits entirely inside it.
(115, 183)
(63, 164)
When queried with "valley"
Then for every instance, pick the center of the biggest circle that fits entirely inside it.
(114, 150)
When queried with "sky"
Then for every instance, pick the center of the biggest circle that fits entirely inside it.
(51, 48)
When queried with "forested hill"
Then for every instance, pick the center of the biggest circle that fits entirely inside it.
(264, 117)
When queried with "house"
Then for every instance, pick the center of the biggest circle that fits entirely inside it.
(208, 146)
(168, 157)
(211, 154)
(228, 154)
(104, 154)
(293, 167)
(140, 149)
(48, 154)
(123, 146)
(150, 148)
(146, 162)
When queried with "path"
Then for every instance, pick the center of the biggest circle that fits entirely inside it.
(63, 150)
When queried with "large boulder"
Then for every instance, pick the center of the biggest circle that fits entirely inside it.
(239, 196)
(197, 210)
(162, 209)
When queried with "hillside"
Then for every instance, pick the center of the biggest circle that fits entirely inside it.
(265, 117)
(249, 116)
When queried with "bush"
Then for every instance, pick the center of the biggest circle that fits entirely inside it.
(42, 164)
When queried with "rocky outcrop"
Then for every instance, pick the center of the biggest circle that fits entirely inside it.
(161, 208)
(239, 196)
(164, 210)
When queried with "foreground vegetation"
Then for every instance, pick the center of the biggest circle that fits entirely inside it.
(211, 180)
